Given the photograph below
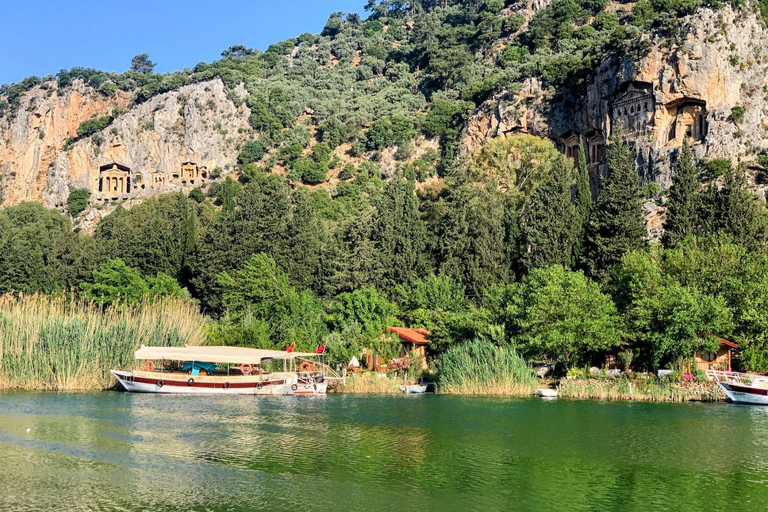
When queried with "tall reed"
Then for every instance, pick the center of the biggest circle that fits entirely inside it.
(647, 390)
(371, 383)
(479, 367)
(58, 343)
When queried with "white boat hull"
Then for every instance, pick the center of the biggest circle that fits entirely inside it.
(546, 393)
(745, 394)
(181, 384)
(414, 389)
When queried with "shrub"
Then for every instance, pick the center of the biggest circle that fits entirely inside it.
(77, 201)
(737, 113)
(197, 195)
(91, 126)
(253, 151)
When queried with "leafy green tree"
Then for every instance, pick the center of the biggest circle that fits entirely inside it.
(435, 292)
(564, 316)
(153, 237)
(257, 223)
(115, 281)
(549, 222)
(364, 307)
(77, 201)
(163, 285)
(682, 205)
(197, 195)
(617, 224)
(252, 151)
(261, 290)
(40, 252)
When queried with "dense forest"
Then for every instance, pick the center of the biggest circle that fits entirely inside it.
(514, 245)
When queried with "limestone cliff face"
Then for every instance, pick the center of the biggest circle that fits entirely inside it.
(658, 100)
(172, 142)
(30, 141)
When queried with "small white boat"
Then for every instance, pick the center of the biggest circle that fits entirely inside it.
(546, 393)
(224, 371)
(413, 389)
(741, 388)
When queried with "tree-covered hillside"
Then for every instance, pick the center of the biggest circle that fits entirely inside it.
(508, 245)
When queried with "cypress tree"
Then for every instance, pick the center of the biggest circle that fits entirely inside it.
(735, 210)
(617, 224)
(583, 206)
(399, 234)
(682, 209)
(549, 223)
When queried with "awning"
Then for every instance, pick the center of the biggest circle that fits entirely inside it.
(232, 355)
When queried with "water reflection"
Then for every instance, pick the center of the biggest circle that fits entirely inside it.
(116, 451)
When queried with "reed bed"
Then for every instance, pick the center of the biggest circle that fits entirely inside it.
(479, 367)
(371, 383)
(65, 343)
(649, 390)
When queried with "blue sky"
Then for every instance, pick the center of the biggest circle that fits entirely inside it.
(43, 36)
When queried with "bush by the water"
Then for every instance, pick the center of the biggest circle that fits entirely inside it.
(479, 367)
(56, 343)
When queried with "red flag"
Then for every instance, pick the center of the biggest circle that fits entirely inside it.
(290, 349)
(320, 349)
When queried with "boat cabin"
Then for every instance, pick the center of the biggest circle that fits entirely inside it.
(720, 360)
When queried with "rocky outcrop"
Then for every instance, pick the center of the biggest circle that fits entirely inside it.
(174, 141)
(32, 138)
(670, 93)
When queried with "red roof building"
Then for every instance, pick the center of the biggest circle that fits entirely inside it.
(414, 341)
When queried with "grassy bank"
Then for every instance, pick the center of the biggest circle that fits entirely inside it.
(649, 390)
(596, 389)
(370, 383)
(69, 344)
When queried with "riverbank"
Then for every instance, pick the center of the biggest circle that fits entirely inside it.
(642, 390)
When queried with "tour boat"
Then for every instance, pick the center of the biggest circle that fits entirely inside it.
(225, 371)
(741, 388)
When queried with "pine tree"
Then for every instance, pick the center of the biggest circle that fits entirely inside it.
(549, 223)
(617, 224)
(583, 206)
(682, 209)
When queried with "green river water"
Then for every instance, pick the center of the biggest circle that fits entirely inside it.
(119, 451)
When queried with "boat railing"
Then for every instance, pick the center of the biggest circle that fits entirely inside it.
(744, 379)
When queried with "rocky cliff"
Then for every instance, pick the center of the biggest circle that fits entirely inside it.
(171, 142)
(709, 87)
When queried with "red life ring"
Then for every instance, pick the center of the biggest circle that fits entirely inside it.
(307, 366)
(148, 366)
(246, 368)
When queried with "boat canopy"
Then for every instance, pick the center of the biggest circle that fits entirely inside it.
(231, 355)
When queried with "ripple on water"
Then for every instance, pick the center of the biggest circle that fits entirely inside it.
(114, 451)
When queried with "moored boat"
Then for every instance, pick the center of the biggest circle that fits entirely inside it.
(546, 393)
(413, 389)
(741, 388)
(225, 371)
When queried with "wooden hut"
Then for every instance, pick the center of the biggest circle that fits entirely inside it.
(720, 360)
